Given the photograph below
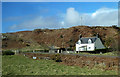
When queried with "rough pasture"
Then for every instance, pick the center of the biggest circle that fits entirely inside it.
(19, 65)
(104, 62)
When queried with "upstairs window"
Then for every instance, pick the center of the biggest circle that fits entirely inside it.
(89, 41)
(79, 42)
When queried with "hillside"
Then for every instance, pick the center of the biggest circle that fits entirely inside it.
(45, 38)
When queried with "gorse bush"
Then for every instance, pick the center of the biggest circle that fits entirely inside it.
(56, 58)
(8, 52)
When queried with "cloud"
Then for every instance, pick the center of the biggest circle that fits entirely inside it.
(72, 17)
(102, 16)
(38, 22)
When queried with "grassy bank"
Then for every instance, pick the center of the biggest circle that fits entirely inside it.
(20, 65)
(114, 53)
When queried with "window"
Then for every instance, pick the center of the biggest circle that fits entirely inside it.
(89, 41)
(79, 42)
(89, 47)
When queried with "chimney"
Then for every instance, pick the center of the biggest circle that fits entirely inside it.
(97, 35)
(80, 36)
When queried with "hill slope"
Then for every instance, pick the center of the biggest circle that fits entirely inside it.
(44, 38)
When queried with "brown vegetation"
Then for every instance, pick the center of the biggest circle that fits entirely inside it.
(50, 37)
(106, 63)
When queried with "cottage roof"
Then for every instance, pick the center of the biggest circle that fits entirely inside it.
(84, 40)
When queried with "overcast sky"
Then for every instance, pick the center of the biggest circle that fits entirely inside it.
(18, 16)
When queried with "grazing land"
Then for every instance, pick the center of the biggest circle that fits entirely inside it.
(21, 65)
(45, 38)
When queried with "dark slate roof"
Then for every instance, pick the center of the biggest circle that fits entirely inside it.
(84, 40)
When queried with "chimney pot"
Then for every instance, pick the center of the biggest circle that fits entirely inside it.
(97, 35)
(80, 36)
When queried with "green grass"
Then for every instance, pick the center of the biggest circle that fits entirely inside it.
(28, 48)
(20, 65)
(0, 65)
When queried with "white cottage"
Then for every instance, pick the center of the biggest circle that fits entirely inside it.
(89, 43)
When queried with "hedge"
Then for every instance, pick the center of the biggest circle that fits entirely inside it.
(8, 52)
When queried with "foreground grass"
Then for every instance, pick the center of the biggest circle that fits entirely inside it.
(0, 65)
(20, 65)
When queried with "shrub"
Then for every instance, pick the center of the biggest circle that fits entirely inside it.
(56, 58)
(37, 31)
(8, 52)
(4, 45)
(27, 50)
(109, 41)
(115, 27)
(103, 50)
(27, 45)
(20, 39)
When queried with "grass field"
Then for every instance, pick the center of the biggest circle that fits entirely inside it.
(20, 65)
(0, 65)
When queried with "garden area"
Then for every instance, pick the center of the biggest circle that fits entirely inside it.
(21, 65)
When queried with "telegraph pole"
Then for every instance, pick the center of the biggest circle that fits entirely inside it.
(81, 20)
(62, 41)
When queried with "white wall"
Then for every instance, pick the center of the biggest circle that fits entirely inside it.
(88, 45)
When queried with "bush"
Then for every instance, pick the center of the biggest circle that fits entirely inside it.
(27, 51)
(103, 50)
(20, 39)
(115, 27)
(27, 45)
(56, 57)
(7, 53)
(109, 41)
(4, 45)
(37, 31)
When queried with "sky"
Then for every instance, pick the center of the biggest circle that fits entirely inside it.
(20, 16)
